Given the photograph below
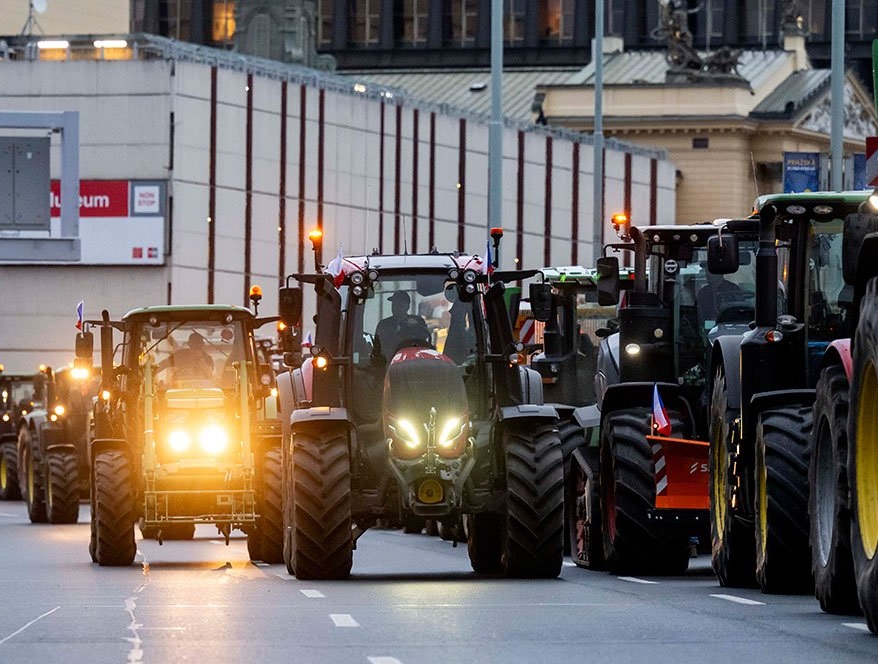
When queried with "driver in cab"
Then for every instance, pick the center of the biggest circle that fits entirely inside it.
(190, 363)
(391, 331)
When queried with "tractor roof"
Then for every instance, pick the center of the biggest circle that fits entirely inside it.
(577, 276)
(412, 262)
(841, 202)
(186, 312)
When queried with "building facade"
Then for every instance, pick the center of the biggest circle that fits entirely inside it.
(362, 34)
(249, 154)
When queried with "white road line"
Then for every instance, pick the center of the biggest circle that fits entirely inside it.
(313, 594)
(285, 577)
(11, 516)
(163, 629)
(261, 564)
(21, 629)
(216, 541)
(568, 563)
(634, 579)
(384, 660)
(739, 600)
(343, 620)
(860, 626)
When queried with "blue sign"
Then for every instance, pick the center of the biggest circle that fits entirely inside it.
(801, 172)
(860, 181)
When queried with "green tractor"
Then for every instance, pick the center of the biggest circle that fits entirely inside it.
(185, 431)
(415, 404)
(763, 391)
(17, 399)
(53, 445)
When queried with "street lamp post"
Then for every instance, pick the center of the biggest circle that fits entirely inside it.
(837, 94)
(495, 128)
(597, 57)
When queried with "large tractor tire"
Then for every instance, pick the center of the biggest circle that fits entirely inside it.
(31, 479)
(321, 543)
(828, 507)
(114, 509)
(484, 542)
(533, 539)
(633, 543)
(733, 552)
(267, 541)
(572, 438)
(583, 507)
(9, 472)
(863, 457)
(783, 560)
(62, 487)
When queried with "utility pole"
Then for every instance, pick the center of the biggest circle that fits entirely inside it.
(598, 183)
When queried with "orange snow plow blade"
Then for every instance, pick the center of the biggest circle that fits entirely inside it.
(681, 473)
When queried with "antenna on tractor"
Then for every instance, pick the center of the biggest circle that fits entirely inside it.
(755, 180)
(34, 7)
(405, 238)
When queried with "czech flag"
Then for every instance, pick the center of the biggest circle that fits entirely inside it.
(79, 315)
(488, 267)
(660, 422)
(308, 342)
(336, 268)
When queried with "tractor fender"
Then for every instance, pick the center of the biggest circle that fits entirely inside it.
(588, 417)
(839, 352)
(726, 353)
(530, 412)
(62, 447)
(309, 418)
(607, 366)
(779, 399)
(531, 386)
(286, 397)
(33, 421)
(639, 394)
(52, 437)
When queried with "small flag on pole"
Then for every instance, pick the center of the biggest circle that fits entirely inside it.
(660, 422)
(336, 268)
(488, 267)
(79, 315)
(308, 342)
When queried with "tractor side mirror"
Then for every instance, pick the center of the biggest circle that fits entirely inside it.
(541, 301)
(722, 254)
(856, 228)
(608, 284)
(85, 346)
(289, 306)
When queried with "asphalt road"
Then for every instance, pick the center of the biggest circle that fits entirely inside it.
(411, 599)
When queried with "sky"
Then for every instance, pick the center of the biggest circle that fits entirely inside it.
(67, 17)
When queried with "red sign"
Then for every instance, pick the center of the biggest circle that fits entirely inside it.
(97, 198)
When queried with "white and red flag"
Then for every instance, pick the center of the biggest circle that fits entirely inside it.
(660, 422)
(79, 308)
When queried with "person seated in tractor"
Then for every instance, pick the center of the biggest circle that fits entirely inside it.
(399, 326)
(190, 363)
(715, 294)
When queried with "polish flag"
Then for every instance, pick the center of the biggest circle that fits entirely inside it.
(660, 422)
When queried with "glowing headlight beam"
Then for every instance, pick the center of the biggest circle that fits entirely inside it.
(179, 440)
(449, 432)
(213, 439)
(409, 432)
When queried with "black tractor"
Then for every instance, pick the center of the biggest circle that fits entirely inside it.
(53, 445)
(637, 486)
(18, 396)
(415, 403)
(763, 392)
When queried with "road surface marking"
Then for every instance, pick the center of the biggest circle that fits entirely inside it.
(261, 564)
(285, 577)
(384, 660)
(343, 620)
(860, 626)
(21, 629)
(11, 516)
(567, 563)
(312, 593)
(634, 579)
(164, 629)
(739, 600)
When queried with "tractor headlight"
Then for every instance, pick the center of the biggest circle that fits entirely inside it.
(632, 349)
(449, 432)
(179, 440)
(5, 417)
(408, 432)
(213, 439)
(60, 410)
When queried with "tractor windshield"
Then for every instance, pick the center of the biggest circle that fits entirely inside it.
(824, 314)
(193, 353)
(18, 392)
(407, 311)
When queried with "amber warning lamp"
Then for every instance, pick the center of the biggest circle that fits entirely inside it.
(622, 225)
(255, 296)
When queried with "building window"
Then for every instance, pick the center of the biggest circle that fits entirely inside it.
(325, 17)
(514, 28)
(178, 19)
(556, 21)
(700, 143)
(614, 17)
(713, 22)
(461, 22)
(859, 19)
(411, 17)
(813, 16)
(364, 22)
(759, 22)
(223, 30)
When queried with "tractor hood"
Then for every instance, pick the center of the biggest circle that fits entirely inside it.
(419, 379)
